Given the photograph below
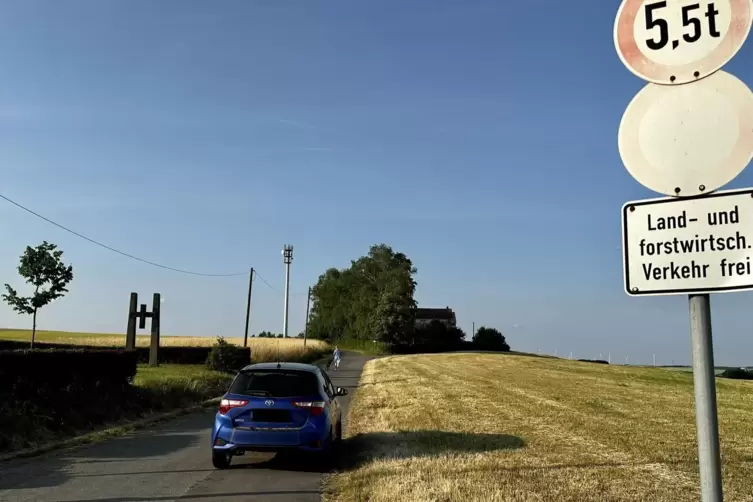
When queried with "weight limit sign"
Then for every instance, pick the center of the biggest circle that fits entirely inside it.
(680, 41)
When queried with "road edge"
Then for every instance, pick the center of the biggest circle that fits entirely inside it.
(110, 432)
(119, 429)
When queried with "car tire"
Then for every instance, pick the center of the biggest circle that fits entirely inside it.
(339, 433)
(220, 460)
(327, 454)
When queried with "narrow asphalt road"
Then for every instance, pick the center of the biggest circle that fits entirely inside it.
(169, 462)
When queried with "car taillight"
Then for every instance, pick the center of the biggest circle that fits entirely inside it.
(316, 407)
(228, 404)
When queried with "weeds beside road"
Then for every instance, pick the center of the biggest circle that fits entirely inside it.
(484, 427)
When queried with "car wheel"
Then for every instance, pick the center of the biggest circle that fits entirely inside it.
(220, 460)
(339, 433)
(327, 454)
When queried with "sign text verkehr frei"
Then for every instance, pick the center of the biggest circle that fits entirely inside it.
(690, 245)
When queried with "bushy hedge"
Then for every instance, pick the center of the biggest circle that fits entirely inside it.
(167, 355)
(226, 357)
(737, 374)
(597, 361)
(61, 390)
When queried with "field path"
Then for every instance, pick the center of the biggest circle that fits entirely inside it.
(170, 462)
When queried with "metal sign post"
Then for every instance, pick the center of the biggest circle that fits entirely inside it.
(686, 134)
(704, 384)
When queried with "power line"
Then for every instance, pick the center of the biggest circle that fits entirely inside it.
(257, 274)
(118, 251)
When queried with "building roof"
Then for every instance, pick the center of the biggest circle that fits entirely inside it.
(445, 313)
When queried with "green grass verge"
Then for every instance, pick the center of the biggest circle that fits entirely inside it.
(171, 386)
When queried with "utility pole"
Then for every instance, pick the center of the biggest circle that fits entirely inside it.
(248, 306)
(306, 329)
(474, 330)
(654, 359)
(287, 258)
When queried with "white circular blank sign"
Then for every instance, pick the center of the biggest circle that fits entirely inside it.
(680, 41)
(688, 139)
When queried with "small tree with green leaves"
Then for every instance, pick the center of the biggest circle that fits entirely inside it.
(43, 268)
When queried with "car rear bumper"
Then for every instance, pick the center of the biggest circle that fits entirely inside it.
(235, 439)
(234, 449)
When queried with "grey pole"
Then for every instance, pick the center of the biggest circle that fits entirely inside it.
(287, 254)
(707, 423)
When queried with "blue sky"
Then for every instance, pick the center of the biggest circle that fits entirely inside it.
(477, 137)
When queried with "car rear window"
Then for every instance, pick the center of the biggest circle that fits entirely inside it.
(275, 383)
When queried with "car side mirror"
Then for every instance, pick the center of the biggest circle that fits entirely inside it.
(342, 392)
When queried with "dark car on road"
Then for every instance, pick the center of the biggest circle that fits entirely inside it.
(276, 407)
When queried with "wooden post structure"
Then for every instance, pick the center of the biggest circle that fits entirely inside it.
(131, 330)
(142, 315)
(154, 348)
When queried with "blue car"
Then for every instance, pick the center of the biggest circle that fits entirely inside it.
(277, 407)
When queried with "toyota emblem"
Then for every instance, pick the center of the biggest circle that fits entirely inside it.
(269, 402)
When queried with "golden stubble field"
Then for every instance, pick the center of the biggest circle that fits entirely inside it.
(485, 427)
(263, 349)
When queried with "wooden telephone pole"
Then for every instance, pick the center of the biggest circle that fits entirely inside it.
(248, 306)
(306, 329)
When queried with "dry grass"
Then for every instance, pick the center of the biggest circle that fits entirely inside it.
(263, 349)
(484, 427)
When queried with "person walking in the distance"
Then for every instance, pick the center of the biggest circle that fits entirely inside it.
(337, 355)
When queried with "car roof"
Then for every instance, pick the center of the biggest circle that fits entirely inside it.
(283, 366)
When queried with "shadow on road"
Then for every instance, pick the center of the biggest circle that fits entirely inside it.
(218, 496)
(125, 447)
(130, 449)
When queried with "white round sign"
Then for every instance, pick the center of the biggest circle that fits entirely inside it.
(688, 139)
(680, 41)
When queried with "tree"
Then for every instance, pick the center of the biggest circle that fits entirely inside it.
(373, 298)
(437, 337)
(41, 266)
(268, 334)
(490, 339)
(300, 335)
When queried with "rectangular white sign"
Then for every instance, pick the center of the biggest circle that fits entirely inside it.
(688, 245)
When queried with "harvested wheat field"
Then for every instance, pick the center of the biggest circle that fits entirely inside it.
(263, 349)
(486, 427)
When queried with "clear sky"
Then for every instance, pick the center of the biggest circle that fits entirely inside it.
(477, 137)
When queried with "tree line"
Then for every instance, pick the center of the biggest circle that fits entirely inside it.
(373, 300)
